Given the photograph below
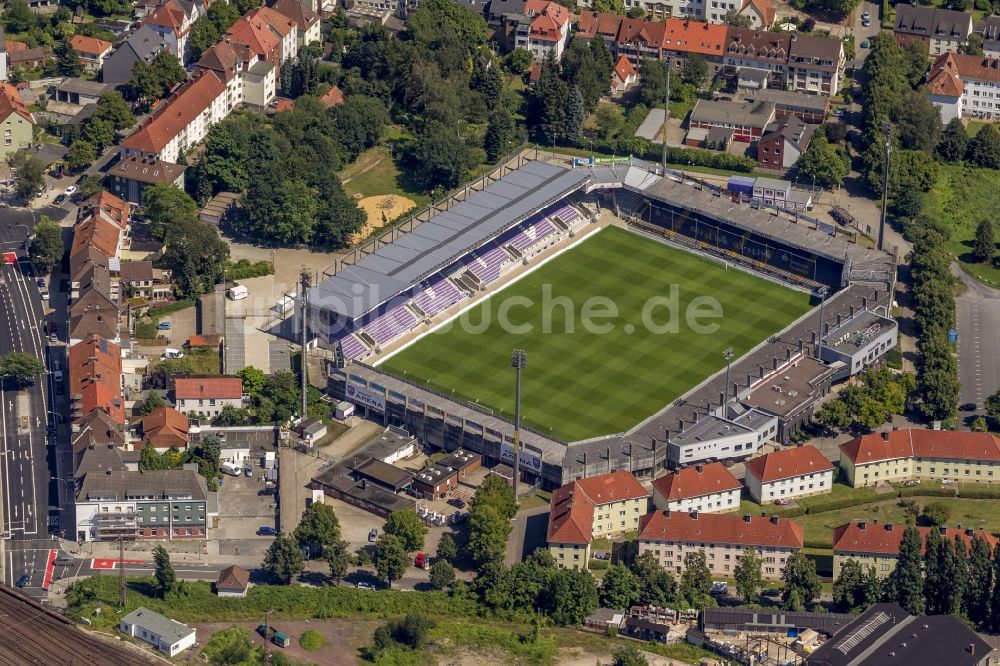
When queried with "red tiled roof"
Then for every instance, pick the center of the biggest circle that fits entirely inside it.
(696, 481)
(694, 37)
(168, 15)
(571, 517)
(715, 528)
(233, 578)
(89, 45)
(204, 341)
(645, 32)
(764, 8)
(256, 35)
(99, 396)
(624, 68)
(864, 537)
(165, 427)
(788, 463)
(549, 19)
(303, 16)
(98, 233)
(919, 443)
(944, 78)
(280, 23)
(981, 68)
(11, 102)
(229, 388)
(115, 209)
(333, 97)
(593, 24)
(181, 109)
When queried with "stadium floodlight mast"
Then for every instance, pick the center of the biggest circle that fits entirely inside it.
(727, 353)
(518, 361)
(887, 131)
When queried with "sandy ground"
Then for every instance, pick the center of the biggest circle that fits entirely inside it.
(340, 648)
(381, 210)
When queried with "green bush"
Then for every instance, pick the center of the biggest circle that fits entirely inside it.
(706, 158)
(982, 492)
(243, 269)
(926, 492)
(823, 544)
(311, 640)
(230, 646)
(598, 565)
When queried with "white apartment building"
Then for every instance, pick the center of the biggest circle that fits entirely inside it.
(787, 474)
(207, 395)
(965, 86)
(707, 488)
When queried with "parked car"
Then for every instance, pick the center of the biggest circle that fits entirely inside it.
(163, 326)
(70, 190)
(249, 471)
(63, 561)
(22, 582)
(40, 282)
(266, 531)
(457, 502)
(45, 294)
(365, 586)
(373, 536)
(420, 561)
(59, 199)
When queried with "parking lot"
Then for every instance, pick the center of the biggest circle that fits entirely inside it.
(242, 511)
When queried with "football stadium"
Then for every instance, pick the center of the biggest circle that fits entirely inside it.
(634, 292)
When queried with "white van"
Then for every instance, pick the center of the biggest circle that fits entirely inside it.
(231, 469)
(170, 352)
(238, 293)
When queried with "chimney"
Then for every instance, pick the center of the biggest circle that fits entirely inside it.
(852, 310)
(694, 515)
(749, 379)
(864, 303)
(943, 530)
(696, 416)
(746, 518)
(699, 468)
(774, 363)
(885, 436)
(969, 531)
(774, 519)
(666, 513)
(862, 525)
(888, 527)
(722, 397)
(972, 648)
(826, 328)
(788, 354)
(840, 318)
(814, 337)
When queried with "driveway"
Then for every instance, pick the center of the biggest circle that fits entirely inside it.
(241, 512)
(977, 313)
(862, 33)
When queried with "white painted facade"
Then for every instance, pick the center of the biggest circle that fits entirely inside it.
(728, 500)
(814, 483)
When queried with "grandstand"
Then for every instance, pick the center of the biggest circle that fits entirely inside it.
(395, 286)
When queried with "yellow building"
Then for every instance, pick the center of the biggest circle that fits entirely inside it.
(875, 545)
(594, 508)
(16, 122)
(900, 455)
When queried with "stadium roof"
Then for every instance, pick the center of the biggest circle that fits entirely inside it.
(358, 288)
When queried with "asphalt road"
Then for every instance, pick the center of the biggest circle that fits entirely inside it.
(977, 313)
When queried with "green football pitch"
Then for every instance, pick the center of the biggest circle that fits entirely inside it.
(587, 375)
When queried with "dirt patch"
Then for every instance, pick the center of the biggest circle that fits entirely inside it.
(381, 210)
(343, 639)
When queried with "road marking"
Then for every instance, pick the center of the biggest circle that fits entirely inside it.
(50, 564)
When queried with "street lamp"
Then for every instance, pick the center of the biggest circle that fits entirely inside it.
(727, 353)
(518, 361)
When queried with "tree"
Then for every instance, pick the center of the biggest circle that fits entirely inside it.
(823, 164)
(547, 102)
(980, 582)
(98, 132)
(29, 174)
(906, 582)
(629, 655)
(974, 45)
(45, 249)
(232, 416)
(152, 401)
(253, 379)
(318, 529)
(17, 17)
(163, 204)
(90, 186)
(992, 405)
(984, 148)
(696, 581)
(67, 59)
(488, 530)
(164, 574)
(21, 367)
(80, 155)
(737, 20)
(953, 143)
(407, 526)
(202, 37)
(435, 16)
(619, 587)
(849, 587)
(936, 513)
(695, 70)
(338, 558)
(112, 107)
(656, 586)
(918, 122)
(439, 158)
(446, 548)
(748, 574)
(390, 558)
(994, 621)
(834, 414)
(571, 597)
(442, 575)
(801, 580)
(495, 492)
(196, 256)
(499, 137)
(574, 116)
(984, 247)
(519, 60)
(283, 559)
(208, 456)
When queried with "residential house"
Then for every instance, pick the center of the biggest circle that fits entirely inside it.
(683, 37)
(622, 76)
(25, 58)
(638, 39)
(168, 636)
(96, 431)
(165, 427)
(670, 535)
(875, 545)
(151, 505)
(748, 120)
(332, 97)
(133, 174)
(283, 26)
(593, 508)
(16, 121)
(306, 20)
(703, 488)
(92, 51)
(94, 312)
(932, 455)
(249, 77)
(760, 12)
(937, 30)
(965, 86)
(989, 29)
(756, 58)
(143, 45)
(207, 395)
(544, 27)
(789, 473)
(95, 379)
(783, 144)
(172, 21)
(816, 64)
(140, 278)
(258, 36)
(885, 634)
(233, 581)
(182, 122)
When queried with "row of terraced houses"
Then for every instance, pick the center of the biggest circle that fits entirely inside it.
(698, 507)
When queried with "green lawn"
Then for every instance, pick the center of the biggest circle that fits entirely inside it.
(375, 173)
(582, 380)
(963, 197)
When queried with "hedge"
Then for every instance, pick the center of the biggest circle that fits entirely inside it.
(978, 493)
(834, 505)
(243, 269)
(925, 492)
(820, 544)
